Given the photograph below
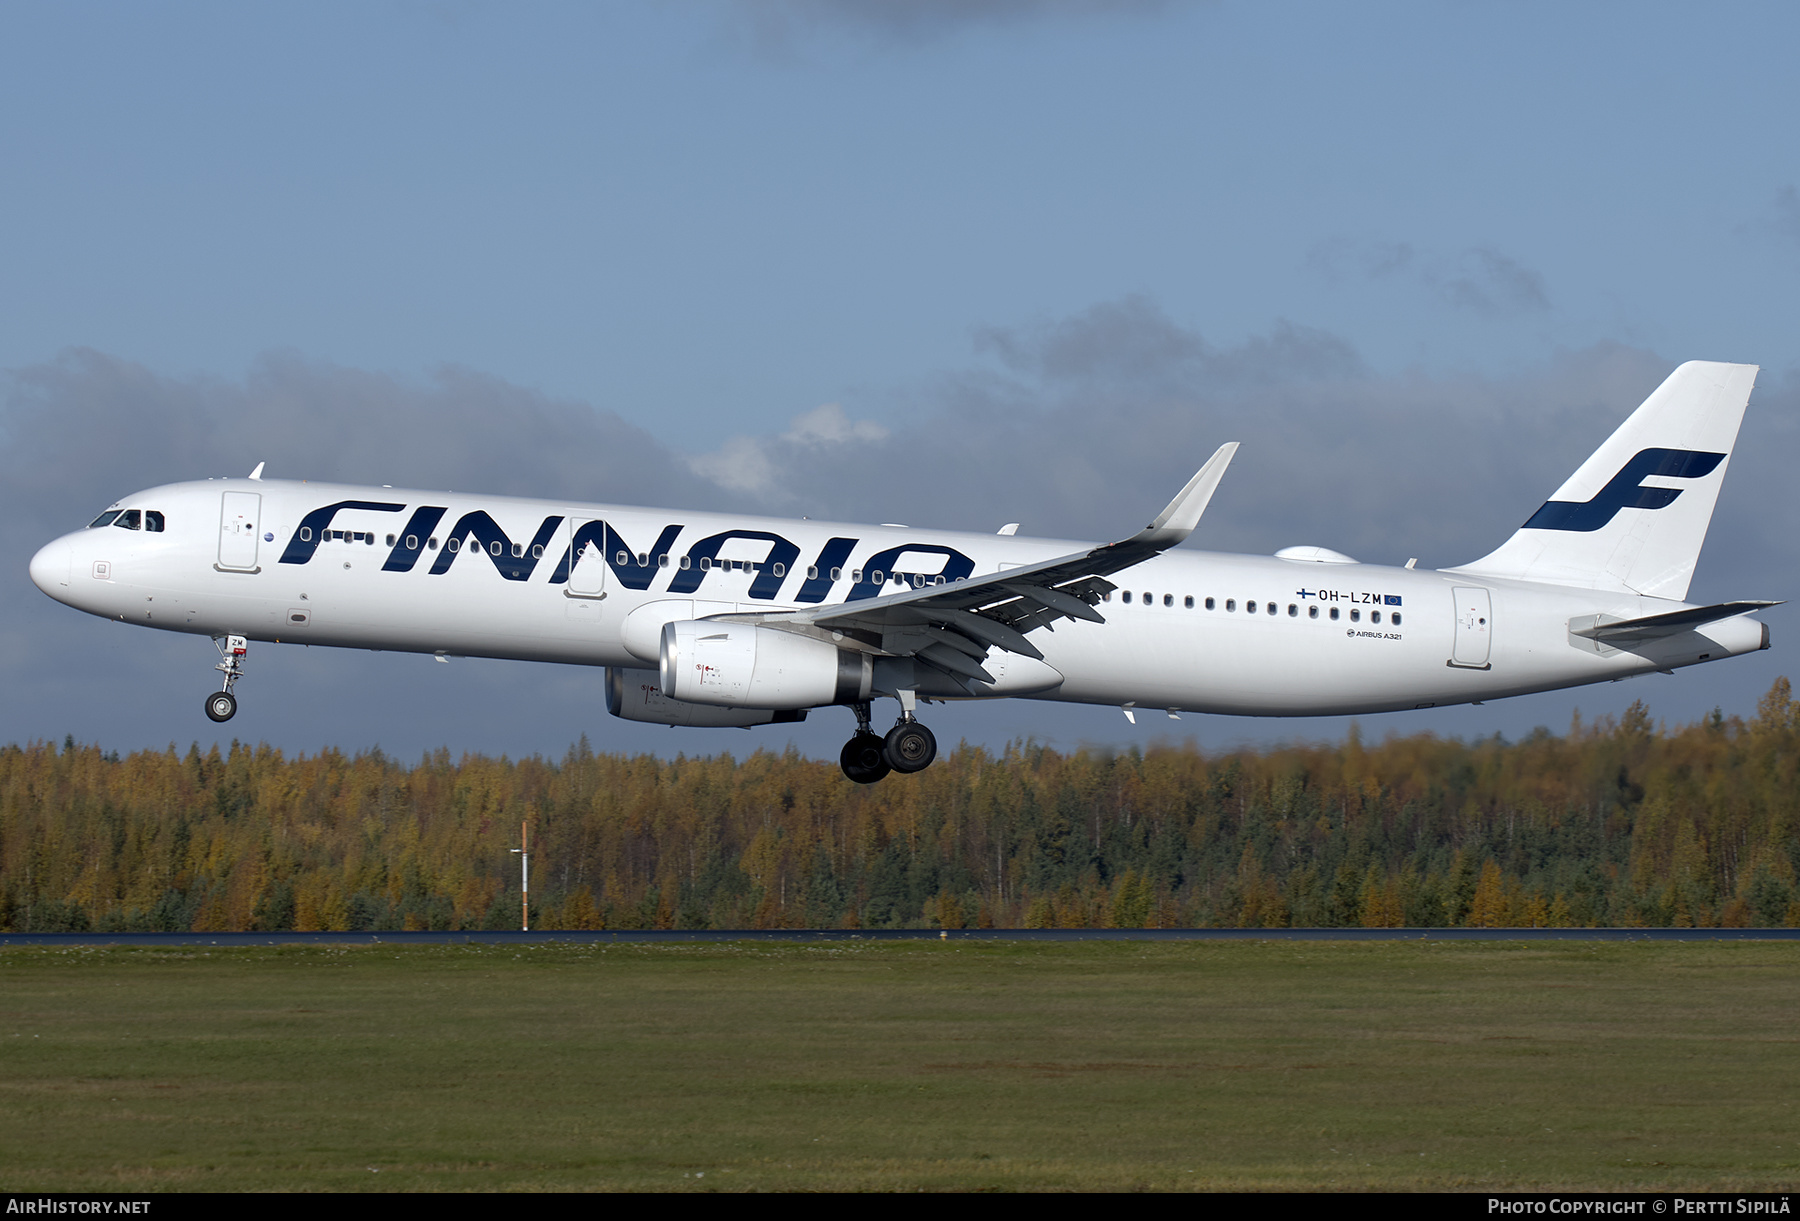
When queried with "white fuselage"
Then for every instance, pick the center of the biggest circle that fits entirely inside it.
(1323, 638)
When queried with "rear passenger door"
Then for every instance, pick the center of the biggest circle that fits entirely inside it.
(1474, 629)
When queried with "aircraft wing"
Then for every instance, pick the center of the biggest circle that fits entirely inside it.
(951, 627)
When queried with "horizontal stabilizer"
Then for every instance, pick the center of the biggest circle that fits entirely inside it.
(1622, 632)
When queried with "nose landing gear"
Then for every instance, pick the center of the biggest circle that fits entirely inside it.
(221, 705)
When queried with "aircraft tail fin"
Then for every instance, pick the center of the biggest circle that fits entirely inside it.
(1635, 514)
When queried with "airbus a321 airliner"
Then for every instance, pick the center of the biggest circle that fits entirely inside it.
(720, 620)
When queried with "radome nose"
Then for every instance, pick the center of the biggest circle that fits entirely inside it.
(50, 567)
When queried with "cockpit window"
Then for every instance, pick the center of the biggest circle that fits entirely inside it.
(131, 519)
(153, 521)
(105, 519)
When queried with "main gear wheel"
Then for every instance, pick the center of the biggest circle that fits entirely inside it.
(863, 758)
(910, 747)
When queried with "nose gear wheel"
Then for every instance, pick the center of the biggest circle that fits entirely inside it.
(221, 705)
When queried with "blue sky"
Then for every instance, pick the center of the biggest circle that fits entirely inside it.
(1421, 259)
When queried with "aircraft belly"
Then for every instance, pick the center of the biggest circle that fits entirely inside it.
(515, 622)
(354, 609)
(1258, 666)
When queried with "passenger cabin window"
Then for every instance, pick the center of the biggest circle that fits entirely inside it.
(1209, 604)
(1334, 612)
(1126, 595)
(1250, 608)
(1231, 604)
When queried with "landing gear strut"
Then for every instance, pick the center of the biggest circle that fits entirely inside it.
(909, 747)
(862, 758)
(221, 705)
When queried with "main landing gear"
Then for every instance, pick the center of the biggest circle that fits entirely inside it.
(909, 747)
(221, 705)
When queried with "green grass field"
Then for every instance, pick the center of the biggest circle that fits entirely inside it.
(902, 1066)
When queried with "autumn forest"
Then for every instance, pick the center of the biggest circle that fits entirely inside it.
(1612, 823)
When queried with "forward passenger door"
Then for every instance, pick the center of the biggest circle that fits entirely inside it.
(240, 516)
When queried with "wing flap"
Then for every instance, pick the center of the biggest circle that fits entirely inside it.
(998, 610)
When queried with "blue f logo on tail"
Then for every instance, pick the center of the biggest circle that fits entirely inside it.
(1626, 491)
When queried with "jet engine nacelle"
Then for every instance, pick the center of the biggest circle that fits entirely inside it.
(636, 695)
(740, 665)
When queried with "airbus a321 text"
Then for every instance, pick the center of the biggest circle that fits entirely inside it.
(721, 620)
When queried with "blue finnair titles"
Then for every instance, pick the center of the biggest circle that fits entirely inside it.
(915, 563)
(721, 620)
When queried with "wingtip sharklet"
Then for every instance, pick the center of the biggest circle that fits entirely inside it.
(1182, 514)
(1043, 583)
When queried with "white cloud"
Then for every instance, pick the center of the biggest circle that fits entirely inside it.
(765, 466)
